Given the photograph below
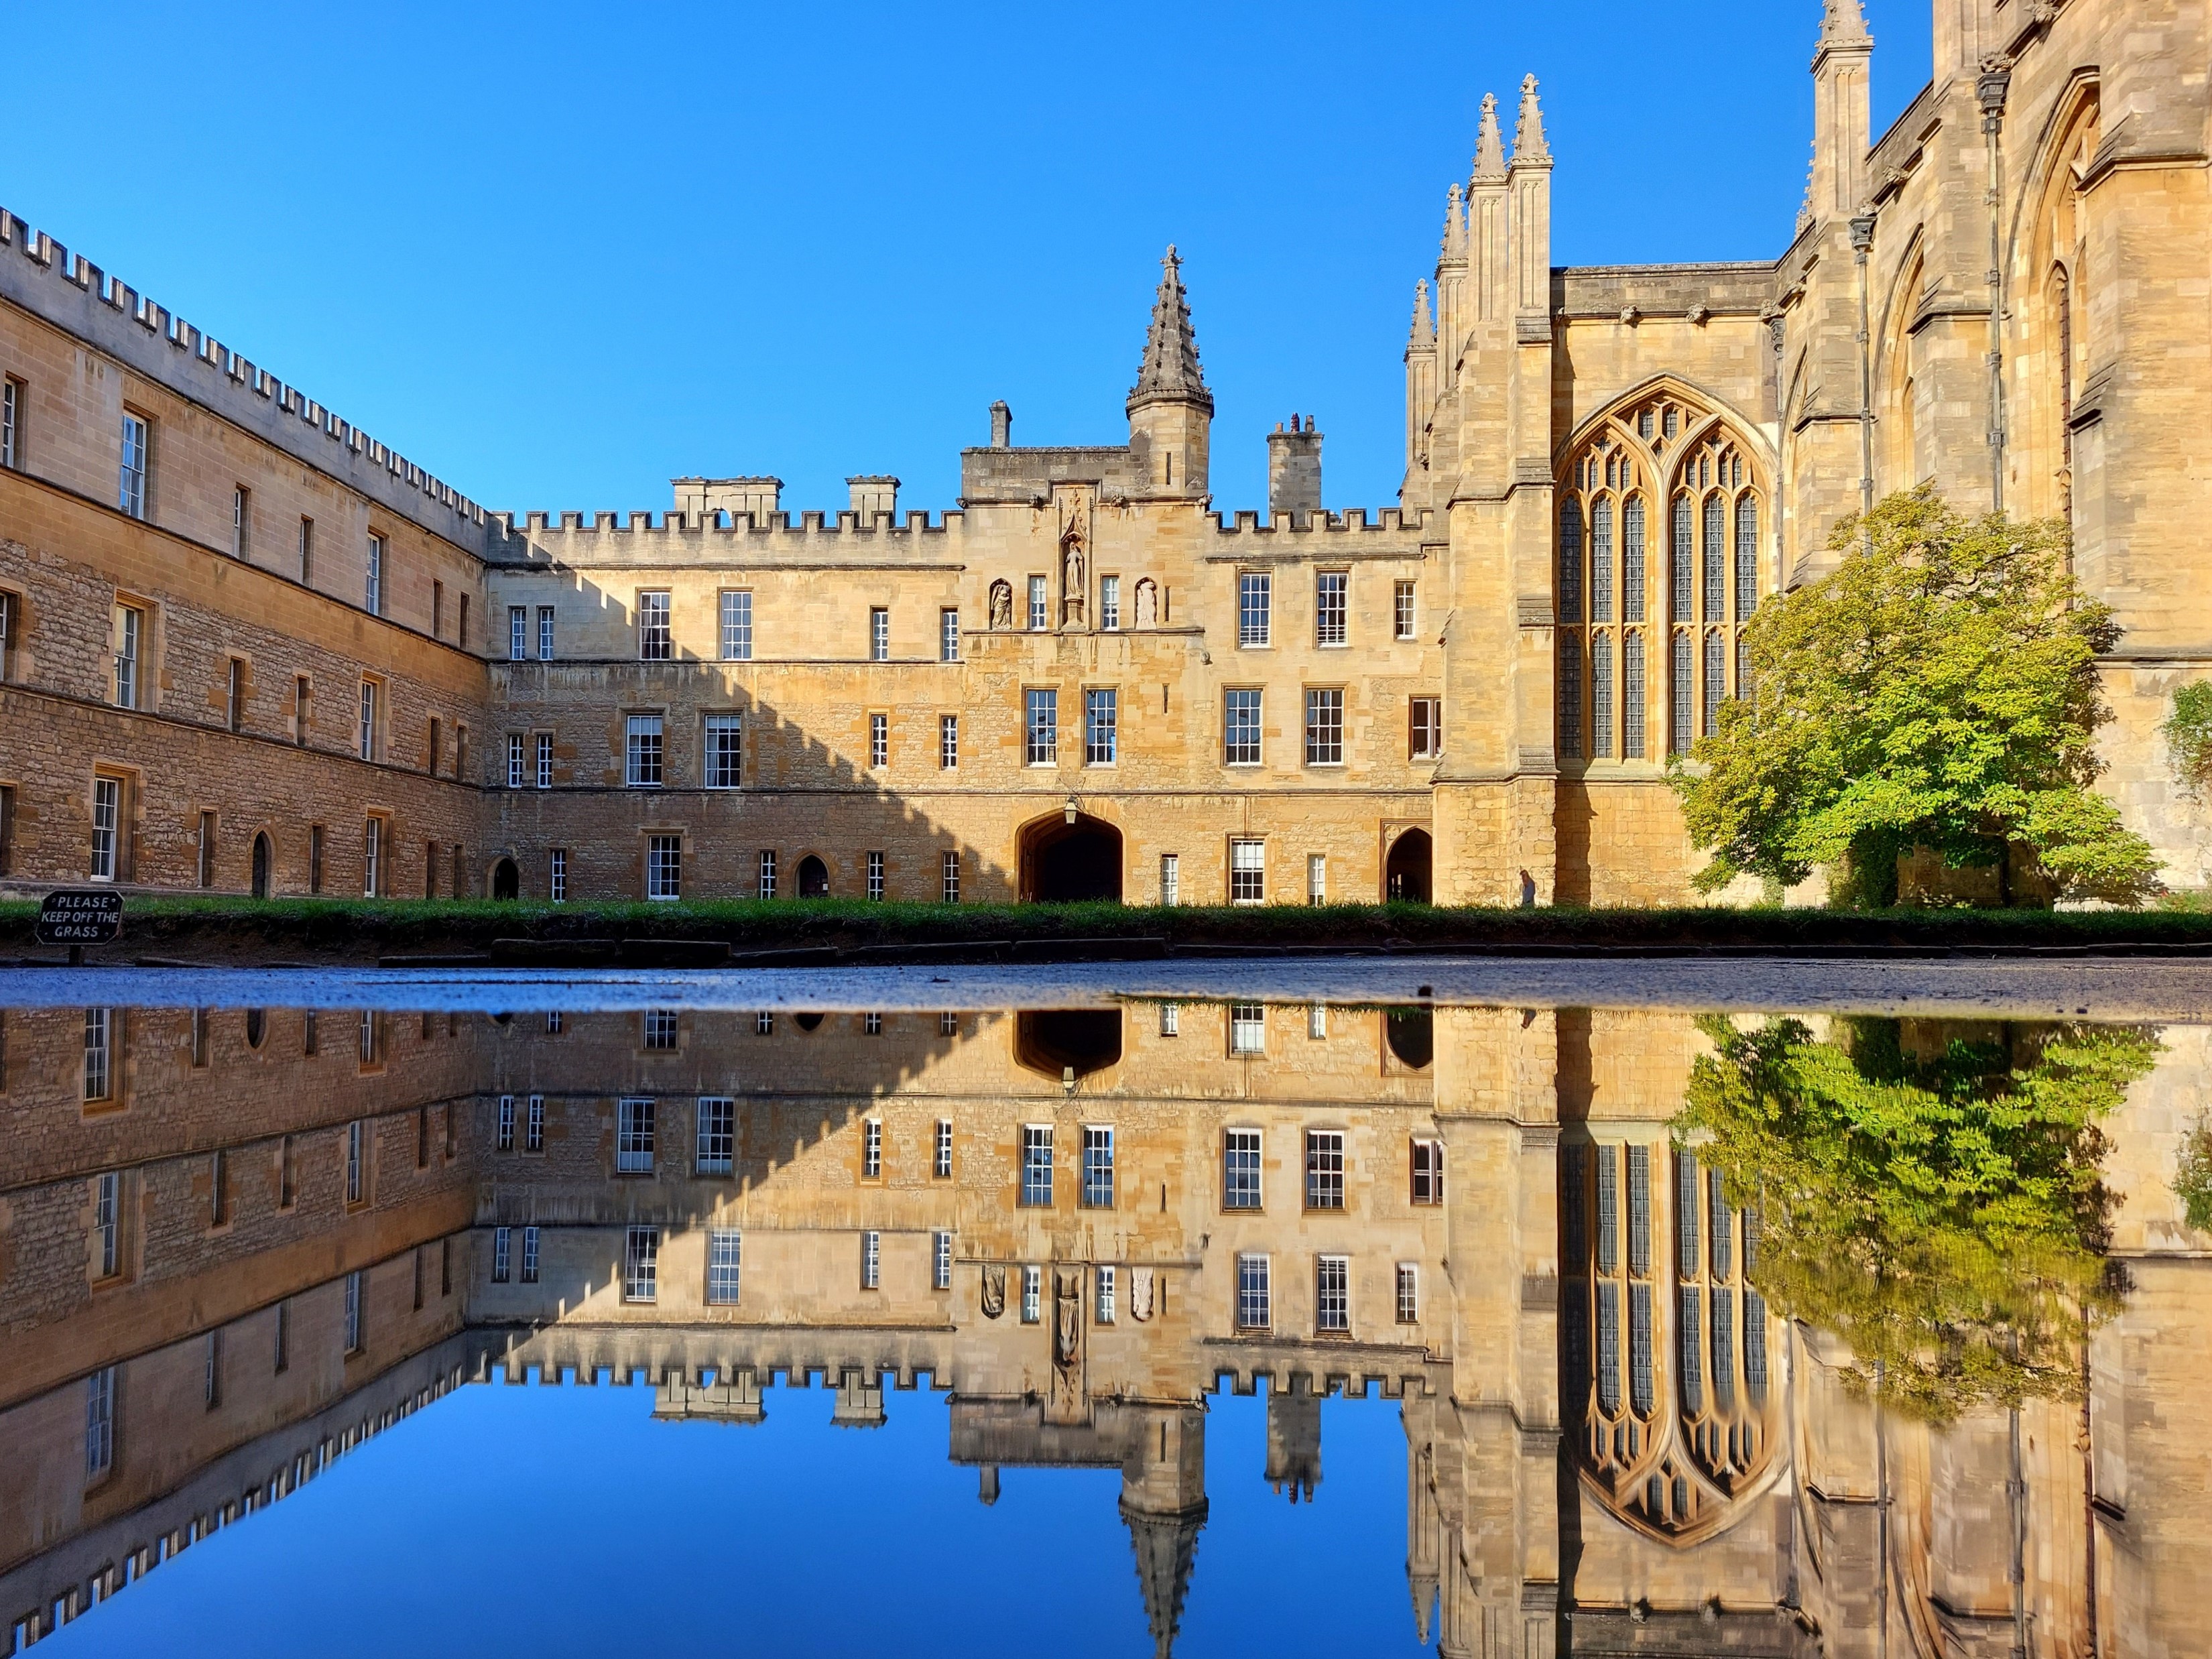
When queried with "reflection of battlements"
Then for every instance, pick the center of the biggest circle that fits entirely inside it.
(1602, 1420)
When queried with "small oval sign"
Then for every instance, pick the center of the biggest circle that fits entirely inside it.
(81, 915)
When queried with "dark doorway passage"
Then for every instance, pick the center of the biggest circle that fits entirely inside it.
(1067, 861)
(1060, 1041)
(261, 865)
(1406, 876)
(506, 880)
(1411, 1034)
(813, 878)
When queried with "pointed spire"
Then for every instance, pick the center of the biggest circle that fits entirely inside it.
(1423, 334)
(1166, 1545)
(1528, 147)
(1170, 372)
(1489, 147)
(1425, 1599)
(1843, 23)
(1455, 240)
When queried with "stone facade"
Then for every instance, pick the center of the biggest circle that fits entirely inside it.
(1073, 675)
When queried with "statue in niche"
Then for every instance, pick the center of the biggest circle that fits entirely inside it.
(1066, 1319)
(1140, 1293)
(1002, 605)
(994, 1292)
(1148, 604)
(1071, 580)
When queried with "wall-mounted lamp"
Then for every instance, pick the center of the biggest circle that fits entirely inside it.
(1073, 808)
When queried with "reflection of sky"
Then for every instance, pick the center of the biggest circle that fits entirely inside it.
(559, 1521)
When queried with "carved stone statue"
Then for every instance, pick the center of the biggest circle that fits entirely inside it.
(994, 1292)
(1066, 1319)
(1072, 592)
(1140, 1293)
(1002, 612)
(1148, 604)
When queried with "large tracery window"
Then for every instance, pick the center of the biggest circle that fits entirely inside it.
(1705, 584)
(1668, 1399)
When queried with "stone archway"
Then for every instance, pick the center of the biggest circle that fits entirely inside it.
(261, 863)
(506, 880)
(1407, 875)
(813, 878)
(1067, 861)
(1067, 1042)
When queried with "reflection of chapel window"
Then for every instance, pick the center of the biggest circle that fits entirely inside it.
(1639, 1210)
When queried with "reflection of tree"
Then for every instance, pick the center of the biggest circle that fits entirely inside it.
(1941, 1211)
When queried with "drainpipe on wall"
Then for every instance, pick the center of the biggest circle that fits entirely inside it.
(1990, 89)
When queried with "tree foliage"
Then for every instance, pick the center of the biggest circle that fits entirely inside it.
(2192, 1176)
(1937, 689)
(1941, 1212)
(2189, 737)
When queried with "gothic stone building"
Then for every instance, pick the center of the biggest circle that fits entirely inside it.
(245, 647)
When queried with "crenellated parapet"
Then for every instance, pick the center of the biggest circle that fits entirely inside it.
(71, 293)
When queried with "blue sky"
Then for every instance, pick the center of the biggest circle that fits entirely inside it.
(558, 254)
(559, 1521)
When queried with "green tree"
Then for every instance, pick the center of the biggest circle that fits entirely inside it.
(2192, 1176)
(1941, 1212)
(1937, 689)
(2189, 737)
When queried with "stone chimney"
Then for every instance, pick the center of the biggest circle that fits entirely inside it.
(1002, 426)
(1293, 469)
(761, 496)
(872, 494)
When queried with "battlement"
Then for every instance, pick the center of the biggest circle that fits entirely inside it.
(1296, 531)
(72, 293)
(709, 536)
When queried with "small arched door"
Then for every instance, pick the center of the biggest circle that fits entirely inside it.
(813, 878)
(506, 880)
(1406, 874)
(261, 865)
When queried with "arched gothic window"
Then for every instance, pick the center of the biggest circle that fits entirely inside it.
(1632, 695)
(1680, 565)
(1571, 696)
(1631, 559)
(1601, 661)
(1682, 705)
(1707, 520)
(1571, 560)
(1601, 560)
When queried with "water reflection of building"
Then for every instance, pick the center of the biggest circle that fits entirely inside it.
(1080, 1229)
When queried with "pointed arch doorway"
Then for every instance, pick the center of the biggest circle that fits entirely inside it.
(1408, 873)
